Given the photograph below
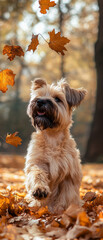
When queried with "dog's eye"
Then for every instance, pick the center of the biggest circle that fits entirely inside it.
(57, 99)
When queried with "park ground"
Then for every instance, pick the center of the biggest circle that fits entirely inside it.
(18, 221)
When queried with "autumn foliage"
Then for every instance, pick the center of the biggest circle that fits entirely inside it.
(34, 43)
(57, 42)
(13, 51)
(13, 139)
(18, 218)
(45, 5)
(6, 78)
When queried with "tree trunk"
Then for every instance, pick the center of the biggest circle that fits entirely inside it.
(61, 30)
(95, 143)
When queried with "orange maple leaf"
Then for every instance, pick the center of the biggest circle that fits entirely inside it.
(45, 5)
(6, 78)
(57, 42)
(13, 139)
(34, 43)
(13, 51)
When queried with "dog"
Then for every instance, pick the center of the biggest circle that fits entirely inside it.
(52, 168)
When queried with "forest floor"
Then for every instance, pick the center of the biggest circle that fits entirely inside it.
(18, 221)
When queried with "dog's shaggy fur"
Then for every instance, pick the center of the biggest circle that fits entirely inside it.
(53, 171)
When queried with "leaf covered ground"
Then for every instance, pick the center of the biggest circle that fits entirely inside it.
(18, 221)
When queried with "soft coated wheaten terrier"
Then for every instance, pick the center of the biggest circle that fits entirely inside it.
(53, 171)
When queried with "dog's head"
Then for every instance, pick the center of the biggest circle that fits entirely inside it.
(51, 105)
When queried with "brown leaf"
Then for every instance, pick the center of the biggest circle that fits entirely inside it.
(34, 43)
(77, 231)
(55, 232)
(6, 78)
(89, 196)
(54, 223)
(57, 42)
(70, 215)
(13, 139)
(13, 51)
(45, 5)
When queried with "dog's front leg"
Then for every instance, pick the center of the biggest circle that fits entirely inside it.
(37, 181)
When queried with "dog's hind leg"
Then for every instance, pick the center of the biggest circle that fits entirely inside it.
(68, 193)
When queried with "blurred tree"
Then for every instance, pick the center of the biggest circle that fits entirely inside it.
(77, 20)
(95, 144)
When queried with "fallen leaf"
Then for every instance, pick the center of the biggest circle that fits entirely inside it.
(55, 232)
(101, 216)
(54, 223)
(45, 5)
(57, 42)
(89, 196)
(70, 215)
(34, 43)
(98, 184)
(97, 230)
(10, 232)
(18, 221)
(6, 78)
(4, 202)
(13, 51)
(83, 219)
(77, 231)
(13, 139)
(42, 211)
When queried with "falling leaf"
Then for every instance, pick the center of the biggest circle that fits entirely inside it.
(57, 42)
(34, 43)
(13, 139)
(6, 78)
(13, 51)
(45, 5)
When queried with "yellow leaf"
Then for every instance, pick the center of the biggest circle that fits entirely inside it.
(6, 78)
(42, 211)
(83, 219)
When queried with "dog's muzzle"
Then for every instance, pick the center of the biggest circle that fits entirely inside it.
(44, 113)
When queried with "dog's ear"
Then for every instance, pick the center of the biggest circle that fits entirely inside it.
(38, 83)
(74, 96)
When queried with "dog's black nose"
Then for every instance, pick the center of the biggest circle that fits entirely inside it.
(41, 102)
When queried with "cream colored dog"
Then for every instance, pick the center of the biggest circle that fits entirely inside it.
(53, 171)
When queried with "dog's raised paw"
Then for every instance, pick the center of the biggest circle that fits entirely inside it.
(39, 194)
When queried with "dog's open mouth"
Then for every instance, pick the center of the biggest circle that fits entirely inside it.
(40, 114)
